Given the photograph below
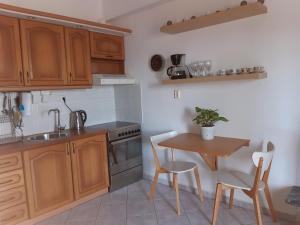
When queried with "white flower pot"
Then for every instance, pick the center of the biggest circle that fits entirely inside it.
(207, 133)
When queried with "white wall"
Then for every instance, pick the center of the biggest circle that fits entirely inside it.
(88, 9)
(256, 109)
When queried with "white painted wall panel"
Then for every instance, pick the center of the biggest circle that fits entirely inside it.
(256, 109)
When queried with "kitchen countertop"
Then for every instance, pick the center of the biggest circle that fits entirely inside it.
(25, 144)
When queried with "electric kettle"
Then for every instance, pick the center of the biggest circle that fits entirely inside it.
(77, 119)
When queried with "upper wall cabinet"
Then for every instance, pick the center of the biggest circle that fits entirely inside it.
(104, 46)
(44, 55)
(78, 56)
(11, 73)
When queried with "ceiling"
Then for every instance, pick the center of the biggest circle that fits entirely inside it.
(116, 8)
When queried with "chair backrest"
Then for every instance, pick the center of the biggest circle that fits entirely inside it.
(155, 140)
(267, 159)
(268, 146)
(263, 161)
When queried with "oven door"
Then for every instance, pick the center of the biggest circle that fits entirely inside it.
(125, 154)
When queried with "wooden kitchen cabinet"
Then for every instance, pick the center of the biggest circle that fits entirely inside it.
(48, 178)
(11, 73)
(44, 55)
(78, 56)
(90, 165)
(105, 46)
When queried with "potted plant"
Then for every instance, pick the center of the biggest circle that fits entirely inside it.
(207, 118)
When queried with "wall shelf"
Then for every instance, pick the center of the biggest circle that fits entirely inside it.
(250, 76)
(236, 13)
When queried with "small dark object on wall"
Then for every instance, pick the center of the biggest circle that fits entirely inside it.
(157, 63)
(261, 1)
(193, 17)
(218, 11)
(243, 3)
(169, 22)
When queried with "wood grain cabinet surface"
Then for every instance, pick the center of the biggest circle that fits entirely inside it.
(44, 55)
(12, 197)
(78, 56)
(11, 180)
(14, 215)
(10, 162)
(105, 46)
(48, 178)
(90, 165)
(11, 73)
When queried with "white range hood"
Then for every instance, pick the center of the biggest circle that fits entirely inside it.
(105, 79)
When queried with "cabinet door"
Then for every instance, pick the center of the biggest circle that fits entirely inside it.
(78, 56)
(48, 178)
(90, 166)
(106, 46)
(44, 54)
(11, 73)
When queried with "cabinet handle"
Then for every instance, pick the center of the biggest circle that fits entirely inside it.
(7, 200)
(70, 76)
(21, 77)
(28, 77)
(6, 182)
(68, 150)
(73, 147)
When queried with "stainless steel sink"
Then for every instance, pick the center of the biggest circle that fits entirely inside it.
(47, 136)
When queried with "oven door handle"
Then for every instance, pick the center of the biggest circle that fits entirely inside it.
(125, 140)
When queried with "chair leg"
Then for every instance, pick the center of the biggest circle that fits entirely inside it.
(217, 204)
(197, 177)
(177, 194)
(270, 203)
(153, 185)
(231, 200)
(257, 209)
(173, 182)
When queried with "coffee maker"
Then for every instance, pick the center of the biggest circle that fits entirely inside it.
(177, 70)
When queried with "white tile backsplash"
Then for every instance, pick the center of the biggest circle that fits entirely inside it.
(98, 102)
(102, 103)
(128, 103)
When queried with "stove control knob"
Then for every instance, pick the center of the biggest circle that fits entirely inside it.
(119, 135)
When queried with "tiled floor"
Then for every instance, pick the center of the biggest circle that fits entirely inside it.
(130, 206)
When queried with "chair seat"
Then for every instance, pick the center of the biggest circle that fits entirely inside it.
(179, 166)
(239, 180)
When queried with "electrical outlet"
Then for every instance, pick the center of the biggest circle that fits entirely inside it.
(177, 94)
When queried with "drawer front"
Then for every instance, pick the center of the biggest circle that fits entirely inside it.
(10, 162)
(14, 215)
(11, 180)
(12, 197)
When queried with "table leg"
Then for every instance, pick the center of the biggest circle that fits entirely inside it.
(211, 161)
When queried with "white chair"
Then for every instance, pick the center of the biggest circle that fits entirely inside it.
(249, 184)
(172, 167)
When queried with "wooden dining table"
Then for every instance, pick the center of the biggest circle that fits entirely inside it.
(210, 151)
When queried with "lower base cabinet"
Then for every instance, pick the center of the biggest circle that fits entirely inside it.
(90, 165)
(56, 175)
(48, 178)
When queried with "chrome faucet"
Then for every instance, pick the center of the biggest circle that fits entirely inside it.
(57, 126)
